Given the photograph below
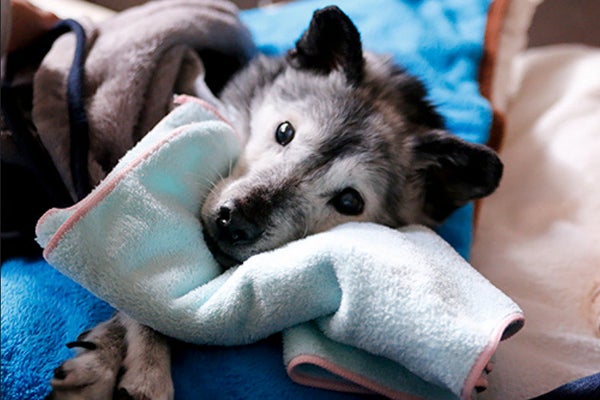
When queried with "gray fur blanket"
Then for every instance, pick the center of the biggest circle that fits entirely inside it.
(134, 63)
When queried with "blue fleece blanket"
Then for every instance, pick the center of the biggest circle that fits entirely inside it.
(440, 41)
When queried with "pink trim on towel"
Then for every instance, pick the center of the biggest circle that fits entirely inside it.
(184, 98)
(355, 383)
(50, 212)
(85, 205)
(89, 202)
(484, 358)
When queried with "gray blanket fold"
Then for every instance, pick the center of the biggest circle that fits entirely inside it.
(135, 62)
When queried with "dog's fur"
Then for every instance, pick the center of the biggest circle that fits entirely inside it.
(332, 135)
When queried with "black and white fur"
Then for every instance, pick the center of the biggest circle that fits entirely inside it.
(332, 134)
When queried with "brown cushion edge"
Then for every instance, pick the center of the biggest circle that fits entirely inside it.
(493, 31)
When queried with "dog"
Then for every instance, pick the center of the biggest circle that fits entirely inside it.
(332, 134)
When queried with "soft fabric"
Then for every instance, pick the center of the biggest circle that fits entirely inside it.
(136, 242)
(587, 388)
(126, 96)
(537, 237)
(42, 310)
(439, 41)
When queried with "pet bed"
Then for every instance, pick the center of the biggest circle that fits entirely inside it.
(35, 290)
(542, 226)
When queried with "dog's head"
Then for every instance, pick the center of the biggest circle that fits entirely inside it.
(336, 135)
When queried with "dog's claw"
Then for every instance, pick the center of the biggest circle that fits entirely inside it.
(84, 344)
(59, 373)
(92, 373)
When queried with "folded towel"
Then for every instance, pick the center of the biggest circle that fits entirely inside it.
(402, 296)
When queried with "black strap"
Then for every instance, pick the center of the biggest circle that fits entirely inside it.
(78, 122)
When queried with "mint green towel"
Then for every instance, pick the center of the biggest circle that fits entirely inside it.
(363, 307)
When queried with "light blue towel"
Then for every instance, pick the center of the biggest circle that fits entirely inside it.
(426, 323)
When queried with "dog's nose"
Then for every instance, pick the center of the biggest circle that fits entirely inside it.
(233, 226)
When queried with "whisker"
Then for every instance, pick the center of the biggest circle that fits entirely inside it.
(305, 229)
(212, 183)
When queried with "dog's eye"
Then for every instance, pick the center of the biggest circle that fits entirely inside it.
(284, 133)
(348, 202)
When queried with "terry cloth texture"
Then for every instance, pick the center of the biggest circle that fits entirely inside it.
(406, 296)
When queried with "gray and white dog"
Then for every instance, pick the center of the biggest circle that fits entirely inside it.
(332, 135)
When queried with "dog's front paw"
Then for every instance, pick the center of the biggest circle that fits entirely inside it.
(92, 374)
(84, 377)
(118, 359)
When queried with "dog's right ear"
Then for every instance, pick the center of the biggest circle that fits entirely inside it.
(330, 42)
(453, 172)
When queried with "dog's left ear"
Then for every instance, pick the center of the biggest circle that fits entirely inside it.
(453, 172)
(330, 42)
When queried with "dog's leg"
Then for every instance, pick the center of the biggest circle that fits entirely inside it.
(93, 372)
(119, 359)
(147, 365)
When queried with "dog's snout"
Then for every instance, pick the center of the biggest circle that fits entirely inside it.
(233, 226)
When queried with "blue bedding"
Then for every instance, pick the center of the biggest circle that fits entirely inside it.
(439, 41)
